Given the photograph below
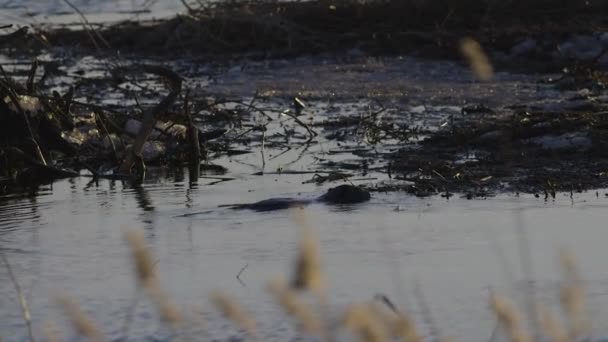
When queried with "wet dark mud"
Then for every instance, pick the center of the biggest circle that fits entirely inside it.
(343, 104)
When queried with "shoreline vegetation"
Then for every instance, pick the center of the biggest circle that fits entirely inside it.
(48, 135)
(38, 126)
(266, 29)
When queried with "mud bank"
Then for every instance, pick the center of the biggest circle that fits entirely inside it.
(349, 101)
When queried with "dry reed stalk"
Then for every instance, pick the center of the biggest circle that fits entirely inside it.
(398, 323)
(51, 333)
(364, 323)
(550, 326)
(146, 275)
(144, 265)
(572, 297)
(169, 313)
(509, 319)
(308, 273)
(80, 320)
(25, 311)
(289, 301)
(233, 311)
(197, 317)
(477, 59)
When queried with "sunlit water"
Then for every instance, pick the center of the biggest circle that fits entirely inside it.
(67, 239)
(33, 12)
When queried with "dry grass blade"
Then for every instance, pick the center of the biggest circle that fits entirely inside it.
(404, 327)
(572, 297)
(551, 327)
(233, 311)
(398, 323)
(308, 274)
(51, 333)
(169, 313)
(144, 265)
(477, 59)
(80, 320)
(509, 319)
(305, 316)
(25, 311)
(146, 275)
(364, 323)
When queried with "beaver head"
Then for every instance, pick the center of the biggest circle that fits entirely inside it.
(345, 194)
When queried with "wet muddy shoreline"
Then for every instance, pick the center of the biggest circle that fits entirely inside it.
(419, 124)
(154, 126)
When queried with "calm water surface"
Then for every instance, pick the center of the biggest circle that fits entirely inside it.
(34, 12)
(67, 239)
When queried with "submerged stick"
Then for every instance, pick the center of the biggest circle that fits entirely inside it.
(31, 76)
(195, 147)
(262, 149)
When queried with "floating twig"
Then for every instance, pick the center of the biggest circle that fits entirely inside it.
(238, 276)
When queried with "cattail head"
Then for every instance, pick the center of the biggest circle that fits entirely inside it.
(307, 271)
(572, 296)
(169, 313)
(509, 319)
(550, 325)
(364, 323)
(397, 322)
(477, 59)
(289, 301)
(233, 311)
(142, 258)
(79, 319)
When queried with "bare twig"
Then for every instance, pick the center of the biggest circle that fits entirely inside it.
(262, 149)
(89, 28)
(149, 117)
(100, 120)
(15, 100)
(238, 276)
(195, 147)
(188, 8)
(310, 131)
(31, 76)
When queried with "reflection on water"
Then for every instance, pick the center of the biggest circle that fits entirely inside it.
(59, 12)
(68, 239)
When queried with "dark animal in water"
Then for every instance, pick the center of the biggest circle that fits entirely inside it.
(343, 194)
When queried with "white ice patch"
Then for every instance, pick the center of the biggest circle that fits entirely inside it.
(29, 104)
